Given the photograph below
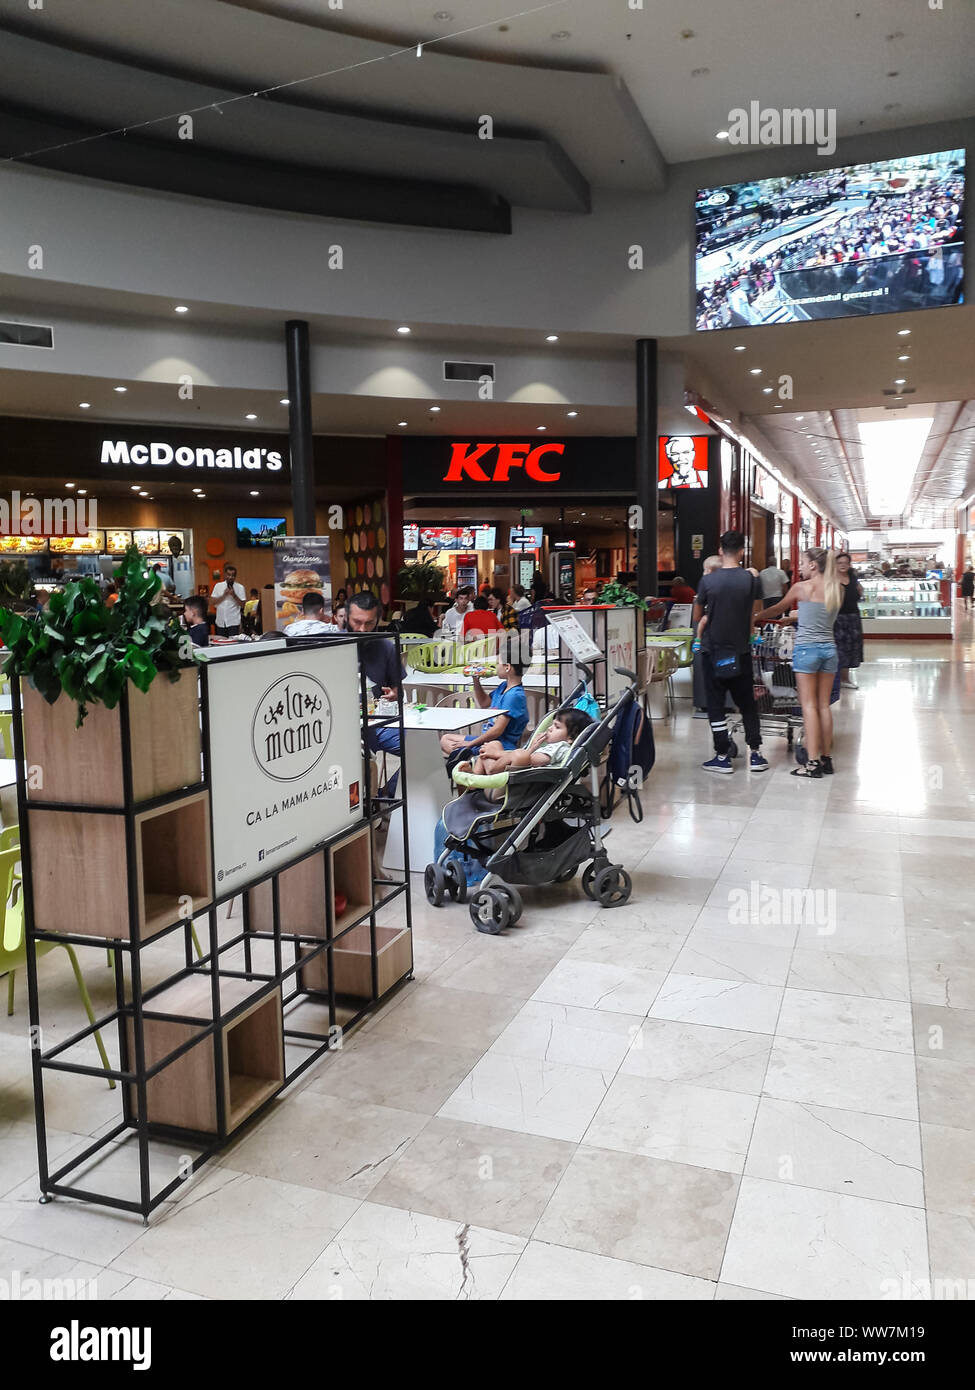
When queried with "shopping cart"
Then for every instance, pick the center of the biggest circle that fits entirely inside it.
(774, 684)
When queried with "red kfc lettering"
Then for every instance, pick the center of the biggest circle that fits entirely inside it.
(509, 456)
(534, 469)
(466, 464)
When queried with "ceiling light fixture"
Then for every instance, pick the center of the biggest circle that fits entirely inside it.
(135, 487)
(250, 417)
(255, 494)
(403, 424)
(84, 405)
(196, 489)
(755, 371)
(900, 381)
(200, 496)
(572, 414)
(435, 410)
(284, 401)
(767, 390)
(541, 427)
(143, 494)
(404, 330)
(69, 485)
(120, 389)
(722, 135)
(82, 491)
(552, 338)
(903, 332)
(904, 357)
(181, 309)
(740, 347)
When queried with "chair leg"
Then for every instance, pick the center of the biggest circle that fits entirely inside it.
(83, 991)
(230, 908)
(10, 992)
(196, 940)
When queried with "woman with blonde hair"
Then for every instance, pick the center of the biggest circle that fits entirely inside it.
(817, 596)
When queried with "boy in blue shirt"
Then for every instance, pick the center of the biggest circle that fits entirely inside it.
(510, 712)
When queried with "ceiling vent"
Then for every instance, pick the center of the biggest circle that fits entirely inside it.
(467, 371)
(34, 335)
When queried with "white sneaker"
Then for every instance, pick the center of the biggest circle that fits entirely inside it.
(850, 684)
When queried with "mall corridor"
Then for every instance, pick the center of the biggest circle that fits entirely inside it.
(723, 1090)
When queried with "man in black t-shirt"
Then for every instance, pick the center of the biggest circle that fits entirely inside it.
(727, 598)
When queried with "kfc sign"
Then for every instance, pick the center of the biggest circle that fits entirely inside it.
(492, 463)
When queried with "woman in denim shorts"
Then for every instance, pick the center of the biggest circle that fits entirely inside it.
(814, 659)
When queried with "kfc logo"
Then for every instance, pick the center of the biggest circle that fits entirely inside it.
(470, 462)
(682, 461)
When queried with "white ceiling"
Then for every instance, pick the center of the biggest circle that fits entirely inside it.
(820, 53)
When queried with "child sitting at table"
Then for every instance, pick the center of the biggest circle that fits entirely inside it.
(551, 749)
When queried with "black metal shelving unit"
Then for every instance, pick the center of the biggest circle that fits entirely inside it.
(291, 953)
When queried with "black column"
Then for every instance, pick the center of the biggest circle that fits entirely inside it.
(299, 420)
(646, 465)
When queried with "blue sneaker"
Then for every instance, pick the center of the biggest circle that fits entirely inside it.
(757, 763)
(717, 764)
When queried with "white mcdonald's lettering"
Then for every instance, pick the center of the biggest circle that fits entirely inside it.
(162, 455)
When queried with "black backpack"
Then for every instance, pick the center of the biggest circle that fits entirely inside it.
(632, 754)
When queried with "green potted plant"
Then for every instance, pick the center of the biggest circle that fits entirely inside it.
(620, 596)
(16, 586)
(81, 647)
(422, 581)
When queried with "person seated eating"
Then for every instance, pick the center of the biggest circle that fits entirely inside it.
(479, 621)
(510, 710)
(549, 749)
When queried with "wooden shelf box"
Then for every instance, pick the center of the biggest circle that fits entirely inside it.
(84, 766)
(184, 1094)
(351, 861)
(78, 865)
(352, 960)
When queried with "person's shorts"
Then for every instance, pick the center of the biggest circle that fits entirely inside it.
(810, 657)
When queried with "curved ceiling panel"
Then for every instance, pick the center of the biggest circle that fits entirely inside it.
(589, 116)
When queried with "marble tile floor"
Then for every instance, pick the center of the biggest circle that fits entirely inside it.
(756, 1080)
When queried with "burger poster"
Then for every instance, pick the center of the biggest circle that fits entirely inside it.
(301, 566)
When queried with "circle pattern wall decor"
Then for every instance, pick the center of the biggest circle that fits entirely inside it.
(215, 546)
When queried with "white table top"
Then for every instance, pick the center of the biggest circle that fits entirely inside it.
(6, 703)
(8, 772)
(450, 680)
(444, 721)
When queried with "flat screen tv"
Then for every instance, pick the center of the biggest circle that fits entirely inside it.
(876, 238)
(525, 538)
(259, 530)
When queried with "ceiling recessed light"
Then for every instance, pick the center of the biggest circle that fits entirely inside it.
(181, 309)
(572, 414)
(900, 381)
(284, 401)
(767, 390)
(143, 494)
(740, 347)
(84, 405)
(552, 338)
(404, 330)
(755, 371)
(903, 332)
(197, 489)
(250, 417)
(135, 487)
(904, 357)
(541, 427)
(722, 135)
(779, 406)
(403, 424)
(82, 491)
(69, 485)
(121, 390)
(200, 496)
(435, 410)
(255, 494)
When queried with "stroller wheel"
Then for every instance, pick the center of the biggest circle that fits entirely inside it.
(490, 910)
(515, 905)
(455, 881)
(613, 886)
(434, 884)
(589, 878)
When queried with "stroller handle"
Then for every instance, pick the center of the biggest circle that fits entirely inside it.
(622, 671)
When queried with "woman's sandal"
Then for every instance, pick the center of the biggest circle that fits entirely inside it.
(810, 769)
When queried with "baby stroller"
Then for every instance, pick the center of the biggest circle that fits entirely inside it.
(544, 828)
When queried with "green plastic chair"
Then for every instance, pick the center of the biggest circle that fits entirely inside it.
(433, 658)
(6, 734)
(13, 944)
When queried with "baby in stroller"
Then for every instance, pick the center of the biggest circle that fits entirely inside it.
(549, 747)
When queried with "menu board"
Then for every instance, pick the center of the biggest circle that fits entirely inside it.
(117, 542)
(92, 544)
(462, 538)
(147, 542)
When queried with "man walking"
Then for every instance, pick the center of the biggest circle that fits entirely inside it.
(727, 598)
(773, 582)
